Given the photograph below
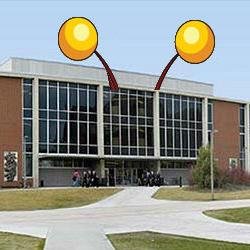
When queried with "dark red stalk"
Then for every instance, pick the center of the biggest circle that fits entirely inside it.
(164, 72)
(111, 78)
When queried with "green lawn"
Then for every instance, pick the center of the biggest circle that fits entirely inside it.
(52, 198)
(153, 241)
(9, 241)
(239, 215)
(189, 194)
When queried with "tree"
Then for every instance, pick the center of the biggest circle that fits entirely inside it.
(201, 172)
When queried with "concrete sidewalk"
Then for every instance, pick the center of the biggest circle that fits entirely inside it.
(77, 237)
(130, 210)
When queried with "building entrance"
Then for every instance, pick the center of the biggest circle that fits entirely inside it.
(124, 172)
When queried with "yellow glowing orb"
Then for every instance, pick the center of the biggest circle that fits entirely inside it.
(195, 41)
(78, 38)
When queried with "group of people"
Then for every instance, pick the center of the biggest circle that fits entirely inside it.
(87, 179)
(149, 178)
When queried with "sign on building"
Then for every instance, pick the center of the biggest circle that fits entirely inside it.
(233, 162)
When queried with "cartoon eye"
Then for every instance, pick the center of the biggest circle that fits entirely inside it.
(78, 40)
(194, 43)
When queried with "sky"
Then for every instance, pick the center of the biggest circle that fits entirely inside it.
(137, 36)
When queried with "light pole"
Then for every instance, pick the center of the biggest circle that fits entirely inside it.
(212, 162)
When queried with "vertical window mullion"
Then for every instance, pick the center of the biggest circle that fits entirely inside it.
(77, 121)
(58, 123)
(68, 124)
(188, 129)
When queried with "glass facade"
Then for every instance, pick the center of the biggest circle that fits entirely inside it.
(242, 136)
(180, 125)
(128, 122)
(67, 118)
(27, 125)
(68, 122)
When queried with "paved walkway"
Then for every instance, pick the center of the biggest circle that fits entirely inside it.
(130, 210)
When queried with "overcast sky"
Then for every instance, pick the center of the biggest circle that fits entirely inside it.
(137, 36)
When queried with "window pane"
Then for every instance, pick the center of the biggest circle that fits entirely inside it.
(177, 138)
(150, 137)
(27, 96)
(63, 101)
(192, 139)
(73, 132)
(124, 134)
(73, 99)
(115, 103)
(63, 132)
(176, 109)
(83, 100)
(92, 133)
(169, 138)
(141, 105)
(209, 113)
(162, 108)
(43, 131)
(28, 130)
(132, 105)
(162, 137)
(83, 133)
(28, 165)
(42, 97)
(115, 135)
(198, 111)
(184, 139)
(142, 136)
(52, 98)
(106, 107)
(133, 136)
(169, 108)
(92, 101)
(199, 139)
(107, 135)
(184, 110)
(242, 116)
(149, 107)
(191, 111)
(53, 131)
(124, 104)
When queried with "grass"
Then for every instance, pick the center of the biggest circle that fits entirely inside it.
(239, 215)
(52, 198)
(191, 194)
(9, 241)
(153, 241)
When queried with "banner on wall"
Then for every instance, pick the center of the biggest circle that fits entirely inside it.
(10, 166)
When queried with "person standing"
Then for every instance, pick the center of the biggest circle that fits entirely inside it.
(75, 178)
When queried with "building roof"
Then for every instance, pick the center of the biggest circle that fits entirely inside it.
(22, 66)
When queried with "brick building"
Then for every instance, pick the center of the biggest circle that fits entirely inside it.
(57, 117)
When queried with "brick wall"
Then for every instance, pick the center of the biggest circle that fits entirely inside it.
(227, 139)
(10, 124)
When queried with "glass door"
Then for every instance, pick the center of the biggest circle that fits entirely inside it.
(134, 176)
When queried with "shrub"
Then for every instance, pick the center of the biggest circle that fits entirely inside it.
(201, 173)
(234, 176)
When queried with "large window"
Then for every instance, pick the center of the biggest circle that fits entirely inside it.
(128, 122)
(180, 125)
(67, 118)
(27, 124)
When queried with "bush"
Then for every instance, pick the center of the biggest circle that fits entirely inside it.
(234, 176)
(201, 173)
